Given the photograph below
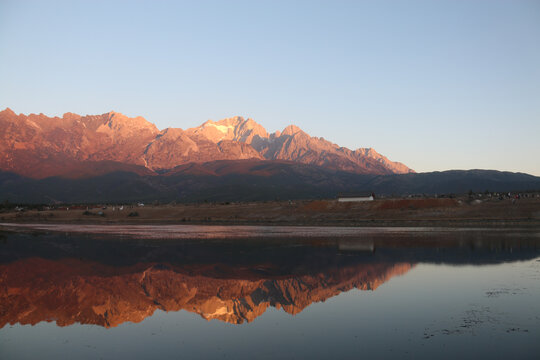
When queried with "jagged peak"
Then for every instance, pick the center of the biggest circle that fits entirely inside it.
(118, 115)
(235, 128)
(114, 114)
(221, 126)
(228, 121)
(171, 133)
(70, 115)
(368, 152)
(139, 122)
(291, 130)
(172, 130)
(7, 111)
(236, 121)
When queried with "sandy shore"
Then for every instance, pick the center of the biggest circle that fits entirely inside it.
(392, 212)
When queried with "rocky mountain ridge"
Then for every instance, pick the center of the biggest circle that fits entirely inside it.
(38, 146)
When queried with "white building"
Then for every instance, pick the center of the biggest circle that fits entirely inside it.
(356, 197)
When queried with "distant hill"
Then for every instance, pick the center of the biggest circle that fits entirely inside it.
(250, 180)
(454, 181)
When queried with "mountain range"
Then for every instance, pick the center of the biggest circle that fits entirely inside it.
(38, 146)
(115, 158)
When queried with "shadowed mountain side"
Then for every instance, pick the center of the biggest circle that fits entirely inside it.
(112, 187)
(242, 180)
(66, 168)
(249, 180)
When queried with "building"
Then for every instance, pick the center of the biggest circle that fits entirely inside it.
(356, 197)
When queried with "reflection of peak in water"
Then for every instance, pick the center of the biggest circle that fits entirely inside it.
(104, 281)
(72, 291)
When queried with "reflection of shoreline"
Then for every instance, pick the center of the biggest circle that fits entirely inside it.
(253, 231)
(72, 291)
(351, 245)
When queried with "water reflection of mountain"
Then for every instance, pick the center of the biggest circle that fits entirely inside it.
(71, 290)
(107, 282)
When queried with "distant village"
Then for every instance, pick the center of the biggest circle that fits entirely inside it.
(130, 209)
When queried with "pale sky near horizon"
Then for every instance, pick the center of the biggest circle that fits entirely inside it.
(436, 85)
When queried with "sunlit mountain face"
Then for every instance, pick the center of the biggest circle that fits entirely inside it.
(106, 281)
(75, 146)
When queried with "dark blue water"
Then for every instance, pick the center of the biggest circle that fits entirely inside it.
(345, 293)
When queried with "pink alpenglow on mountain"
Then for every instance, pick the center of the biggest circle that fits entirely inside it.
(39, 146)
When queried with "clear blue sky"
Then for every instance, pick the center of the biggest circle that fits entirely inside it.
(434, 84)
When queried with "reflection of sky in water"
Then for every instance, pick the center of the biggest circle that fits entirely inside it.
(432, 311)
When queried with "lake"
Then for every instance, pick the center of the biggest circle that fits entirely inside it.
(244, 292)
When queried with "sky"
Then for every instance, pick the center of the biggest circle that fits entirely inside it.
(436, 85)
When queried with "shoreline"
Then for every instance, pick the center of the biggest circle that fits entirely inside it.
(426, 212)
(371, 223)
(363, 238)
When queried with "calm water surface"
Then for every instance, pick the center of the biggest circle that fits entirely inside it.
(268, 292)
